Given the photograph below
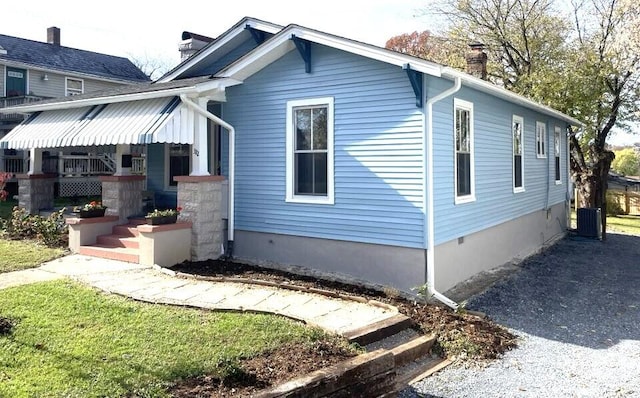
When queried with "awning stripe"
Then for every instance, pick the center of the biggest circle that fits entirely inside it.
(133, 122)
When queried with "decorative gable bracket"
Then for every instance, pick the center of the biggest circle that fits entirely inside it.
(415, 78)
(257, 35)
(304, 48)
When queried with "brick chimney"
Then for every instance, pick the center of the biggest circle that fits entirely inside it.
(477, 61)
(53, 36)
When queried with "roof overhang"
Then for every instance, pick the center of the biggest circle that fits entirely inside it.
(281, 43)
(212, 89)
(227, 40)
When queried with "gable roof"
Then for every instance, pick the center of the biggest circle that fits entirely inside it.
(30, 53)
(220, 46)
(281, 43)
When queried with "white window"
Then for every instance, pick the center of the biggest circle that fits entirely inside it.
(556, 147)
(541, 140)
(518, 149)
(73, 86)
(177, 163)
(309, 157)
(463, 136)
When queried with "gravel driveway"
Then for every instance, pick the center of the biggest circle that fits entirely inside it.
(576, 309)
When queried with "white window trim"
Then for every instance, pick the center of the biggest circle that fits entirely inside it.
(290, 162)
(557, 131)
(520, 120)
(468, 106)
(543, 137)
(66, 85)
(167, 183)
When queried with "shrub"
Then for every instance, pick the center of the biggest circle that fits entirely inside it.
(51, 231)
(613, 205)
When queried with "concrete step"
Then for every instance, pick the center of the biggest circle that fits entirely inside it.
(118, 241)
(380, 330)
(126, 230)
(112, 253)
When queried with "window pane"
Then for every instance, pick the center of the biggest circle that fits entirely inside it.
(517, 138)
(320, 173)
(178, 162)
(74, 84)
(320, 128)
(464, 174)
(303, 129)
(517, 171)
(462, 131)
(557, 168)
(304, 173)
(557, 143)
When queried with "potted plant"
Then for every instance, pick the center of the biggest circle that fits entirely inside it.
(158, 217)
(90, 210)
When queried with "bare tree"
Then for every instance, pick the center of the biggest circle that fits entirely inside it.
(153, 66)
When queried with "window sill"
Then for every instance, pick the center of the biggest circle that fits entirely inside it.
(465, 199)
(312, 200)
(558, 182)
(518, 190)
(541, 156)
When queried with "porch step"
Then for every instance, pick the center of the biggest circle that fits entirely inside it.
(379, 330)
(118, 241)
(113, 253)
(126, 230)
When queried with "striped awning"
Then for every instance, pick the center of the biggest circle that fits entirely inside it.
(134, 122)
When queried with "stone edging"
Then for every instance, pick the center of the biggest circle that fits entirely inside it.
(260, 282)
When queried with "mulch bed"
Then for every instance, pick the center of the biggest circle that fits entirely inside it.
(460, 335)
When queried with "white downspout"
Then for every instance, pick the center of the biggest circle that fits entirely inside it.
(428, 196)
(232, 157)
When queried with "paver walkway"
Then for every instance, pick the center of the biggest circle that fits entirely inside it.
(151, 285)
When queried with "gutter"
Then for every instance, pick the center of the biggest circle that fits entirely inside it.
(428, 195)
(232, 144)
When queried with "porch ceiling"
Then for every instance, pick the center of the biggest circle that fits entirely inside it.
(134, 122)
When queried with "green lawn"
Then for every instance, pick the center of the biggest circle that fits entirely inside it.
(17, 255)
(71, 341)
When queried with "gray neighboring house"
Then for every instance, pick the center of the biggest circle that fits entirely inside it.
(31, 71)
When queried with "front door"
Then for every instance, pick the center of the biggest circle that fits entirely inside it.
(16, 82)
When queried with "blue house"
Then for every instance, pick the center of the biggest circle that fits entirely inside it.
(286, 146)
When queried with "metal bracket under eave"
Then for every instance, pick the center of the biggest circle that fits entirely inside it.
(415, 78)
(257, 35)
(304, 48)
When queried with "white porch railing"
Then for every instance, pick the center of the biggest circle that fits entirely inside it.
(85, 165)
(15, 164)
(138, 165)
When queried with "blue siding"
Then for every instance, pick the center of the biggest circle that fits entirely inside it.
(378, 130)
(495, 200)
(155, 176)
(214, 67)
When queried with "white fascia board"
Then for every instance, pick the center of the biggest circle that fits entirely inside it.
(221, 42)
(487, 87)
(281, 44)
(69, 73)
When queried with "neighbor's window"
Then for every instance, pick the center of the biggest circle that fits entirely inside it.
(74, 86)
(179, 162)
(518, 150)
(541, 140)
(464, 172)
(310, 151)
(556, 146)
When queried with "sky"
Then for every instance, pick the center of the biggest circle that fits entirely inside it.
(147, 29)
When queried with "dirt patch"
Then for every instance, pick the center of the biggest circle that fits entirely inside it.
(460, 335)
(269, 369)
(5, 326)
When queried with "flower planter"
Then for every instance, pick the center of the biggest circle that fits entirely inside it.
(91, 213)
(162, 220)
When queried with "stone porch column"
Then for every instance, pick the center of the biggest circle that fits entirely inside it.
(200, 198)
(35, 191)
(122, 195)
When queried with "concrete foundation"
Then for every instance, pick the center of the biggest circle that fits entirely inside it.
(405, 268)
